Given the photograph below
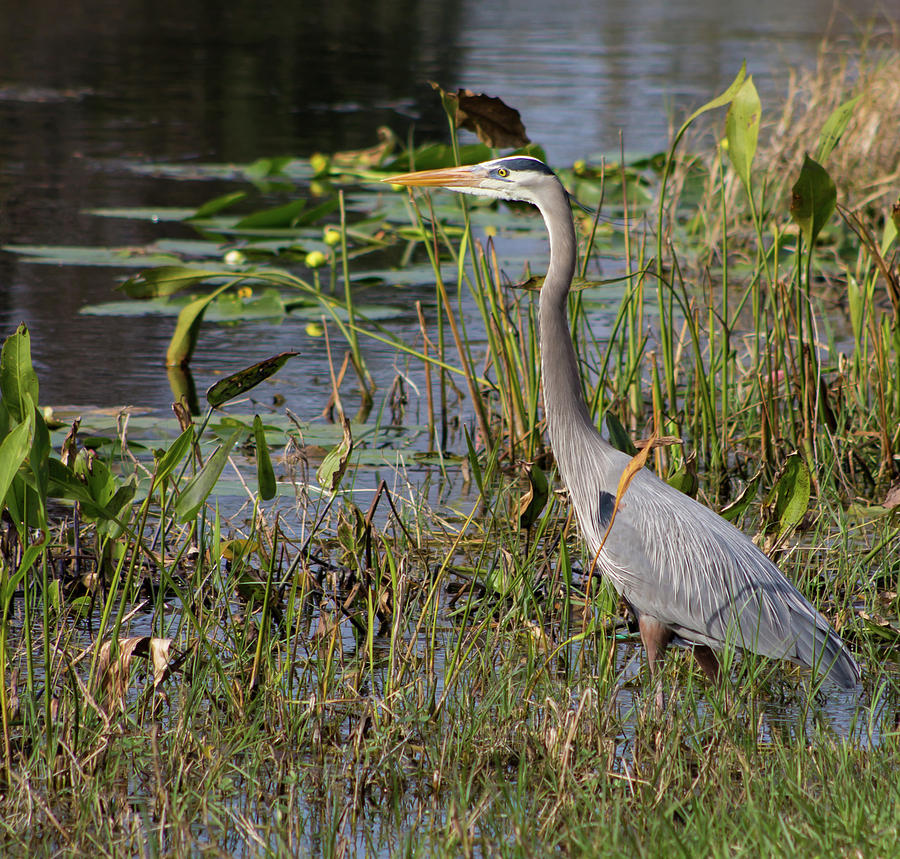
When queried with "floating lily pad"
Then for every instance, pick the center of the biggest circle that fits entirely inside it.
(370, 312)
(262, 168)
(69, 255)
(143, 213)
(229, 307)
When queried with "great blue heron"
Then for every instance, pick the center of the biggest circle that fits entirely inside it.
(685, 572)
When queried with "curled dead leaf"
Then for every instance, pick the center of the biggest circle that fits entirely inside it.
(371, 157)
(70, 444)
(12, 697)
(879, 625)
(538, 635)
(332, 469)
(892, 499)
(497, 124)
(635, 464)
(114, 673)
(532, 502)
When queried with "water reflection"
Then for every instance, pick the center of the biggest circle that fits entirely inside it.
(87, 90)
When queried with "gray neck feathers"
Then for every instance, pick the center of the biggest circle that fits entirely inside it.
(563, 397)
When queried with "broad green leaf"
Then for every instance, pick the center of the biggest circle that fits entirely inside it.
(834, 128)
(263, 168)
(53, 596)
(310, 216)
(331, 471)
(169, 461)
(187, 329)
(184, 390)
(122, 497)
(18, 380)
(217, 204)
(684, 480)
(733, 511)
(813, 199)
(618, 437)
(742, 130)
(165, 280)
(474, 464)
(859, 296)
(26, 507)
(198, 488)
(265, 474)
(792, 493)
(65, 483)
(8, 589)
(39, 457)
(244, 380)
(279, 216)
(101, 483)
(13, 450)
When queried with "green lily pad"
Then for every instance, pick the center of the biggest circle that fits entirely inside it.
(95, 256)
(229, 307)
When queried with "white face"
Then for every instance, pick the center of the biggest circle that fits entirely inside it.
(511, 178)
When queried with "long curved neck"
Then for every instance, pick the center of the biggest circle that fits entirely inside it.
(563, 398)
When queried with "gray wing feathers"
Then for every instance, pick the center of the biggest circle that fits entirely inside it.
(679, 562)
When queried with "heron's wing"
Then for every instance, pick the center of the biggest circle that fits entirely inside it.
(679, 562)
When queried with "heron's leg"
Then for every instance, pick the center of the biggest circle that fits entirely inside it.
(707, 660)
(656, 638)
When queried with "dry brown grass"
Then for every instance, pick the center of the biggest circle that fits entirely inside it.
(865, 165)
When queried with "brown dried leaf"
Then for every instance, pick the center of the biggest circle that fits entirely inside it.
(159, 657)
(182, 413)
(635, 464)
(533, 500)
(70, 444)
(115, 674)
(496, 124)
(880, 625)
(12, 696)
(371, 157)
(892, 499)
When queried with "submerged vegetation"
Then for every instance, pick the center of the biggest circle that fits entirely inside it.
(347, 663)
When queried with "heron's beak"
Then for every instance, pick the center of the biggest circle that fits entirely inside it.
(448, 177)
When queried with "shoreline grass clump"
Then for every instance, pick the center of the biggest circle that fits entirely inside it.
(320, 675)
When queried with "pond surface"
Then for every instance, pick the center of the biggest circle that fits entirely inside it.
(89, 93)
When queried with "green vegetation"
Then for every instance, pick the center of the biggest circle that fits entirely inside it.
(326, 674)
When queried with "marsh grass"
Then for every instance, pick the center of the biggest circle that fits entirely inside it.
(417, 681)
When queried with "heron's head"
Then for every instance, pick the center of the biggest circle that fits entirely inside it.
(517, 177)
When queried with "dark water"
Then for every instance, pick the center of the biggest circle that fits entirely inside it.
(88, 90)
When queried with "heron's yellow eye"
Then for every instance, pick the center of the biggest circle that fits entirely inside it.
(502, 172)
